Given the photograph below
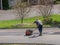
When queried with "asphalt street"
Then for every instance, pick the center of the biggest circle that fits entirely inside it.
(50, 36)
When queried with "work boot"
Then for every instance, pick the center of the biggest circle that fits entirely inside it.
(40, 34)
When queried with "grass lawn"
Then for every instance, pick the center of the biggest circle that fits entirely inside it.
(28, 22)
(56, 17)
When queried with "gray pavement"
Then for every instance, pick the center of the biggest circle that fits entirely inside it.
(50, 36)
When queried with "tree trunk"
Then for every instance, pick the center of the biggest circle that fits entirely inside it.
(22, 20)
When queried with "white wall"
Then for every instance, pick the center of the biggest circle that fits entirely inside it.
(7, 15)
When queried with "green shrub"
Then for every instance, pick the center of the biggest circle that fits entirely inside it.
(47, 21)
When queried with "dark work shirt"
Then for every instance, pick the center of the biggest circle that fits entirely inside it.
(38, 22)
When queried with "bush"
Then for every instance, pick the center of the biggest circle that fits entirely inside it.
(47, 21)
(56, 23)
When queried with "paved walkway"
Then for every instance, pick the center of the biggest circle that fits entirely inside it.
(50, 36)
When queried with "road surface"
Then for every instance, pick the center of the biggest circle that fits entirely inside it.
(50, 36)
